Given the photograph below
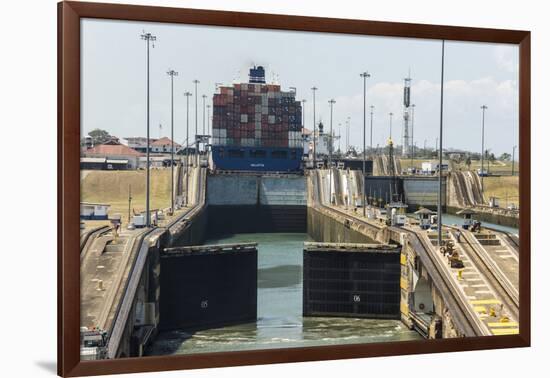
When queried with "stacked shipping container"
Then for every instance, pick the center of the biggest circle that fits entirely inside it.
(256, 121)
(256, 115)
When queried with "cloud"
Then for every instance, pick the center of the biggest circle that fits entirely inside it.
(462, 113)
(506, 58)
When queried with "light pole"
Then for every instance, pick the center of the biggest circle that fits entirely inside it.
(172, 73)
(339, 138)
(208, 119)
(412, 137)
(331, 102)
(483, 108)
(203, 114)
(371, 118)
(513, 158)
(314, 89)
(196, 82)
(440, 191)
(391, 115)
(348, 121)
(303, 117)
(364, 75)
(148, 37)
(187, 95)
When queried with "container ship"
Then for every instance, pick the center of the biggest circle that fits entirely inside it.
(256, 127)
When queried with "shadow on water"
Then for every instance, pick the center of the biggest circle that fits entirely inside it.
(279, 276)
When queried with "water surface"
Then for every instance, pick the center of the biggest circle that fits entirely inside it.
(280, 323)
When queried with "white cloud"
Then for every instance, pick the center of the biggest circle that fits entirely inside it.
(507, 58)
(462, 113)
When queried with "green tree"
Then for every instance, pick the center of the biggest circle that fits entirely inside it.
(468, 161)
(505, 157)
(99, 136)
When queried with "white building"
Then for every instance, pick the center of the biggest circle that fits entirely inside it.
(94, 211)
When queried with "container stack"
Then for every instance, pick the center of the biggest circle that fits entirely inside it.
(256, 115)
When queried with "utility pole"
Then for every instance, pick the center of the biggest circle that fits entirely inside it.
(483, 108)
(440, 194)
(364, 75)
(148, 37)
(513, 158)
(187, 95)
(196, 82)
(172, 73)
(314, 89)
(412, 137)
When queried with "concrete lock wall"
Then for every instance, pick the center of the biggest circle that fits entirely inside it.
(378, 187)
(423, 191)
(256, 203)
(323, 228)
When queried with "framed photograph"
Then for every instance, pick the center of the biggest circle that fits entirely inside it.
(252, 188)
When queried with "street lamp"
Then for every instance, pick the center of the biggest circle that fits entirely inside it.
(371, 118)
(148, 37)
(364, 75)
(208, 119)
(187, 95)
(440, 192)
(196, 82)
(314, 89)
(172, 73)
(483, 108)
(339, 138)
(203, 114)
(348, 125)
(303, 117)
(331, 102)
(412, 137)
(513, 158)
(391, 115)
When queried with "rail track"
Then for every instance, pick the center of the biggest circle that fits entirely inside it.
(466, 319)
(141, 252)
(501, 285)
(87, 239)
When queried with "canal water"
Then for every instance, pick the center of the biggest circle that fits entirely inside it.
(451, 219)
(280, 323)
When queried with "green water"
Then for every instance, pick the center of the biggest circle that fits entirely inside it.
(455, 219)
(280, 323)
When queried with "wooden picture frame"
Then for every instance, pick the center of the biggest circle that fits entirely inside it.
(69, 62)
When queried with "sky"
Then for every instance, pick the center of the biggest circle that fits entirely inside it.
(114, 80)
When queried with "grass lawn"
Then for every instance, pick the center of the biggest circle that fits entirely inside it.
(506, 188)
(498, 167)
(112, 187)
